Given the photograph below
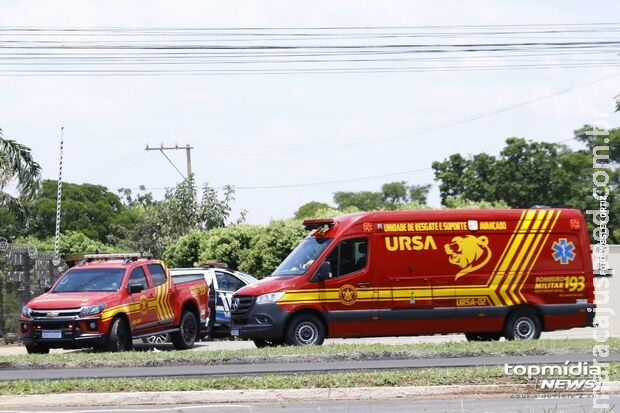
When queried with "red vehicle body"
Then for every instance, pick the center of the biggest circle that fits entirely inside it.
(485, 273)
(106, 303)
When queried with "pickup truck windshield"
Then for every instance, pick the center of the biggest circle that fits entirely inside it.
(302, 257)
(99, 279)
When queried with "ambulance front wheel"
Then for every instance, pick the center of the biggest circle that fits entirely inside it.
(305, 330)
(523, 325)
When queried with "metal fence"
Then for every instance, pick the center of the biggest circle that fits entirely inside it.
(24, 273)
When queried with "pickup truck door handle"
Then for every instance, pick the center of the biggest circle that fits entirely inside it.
(363, 284)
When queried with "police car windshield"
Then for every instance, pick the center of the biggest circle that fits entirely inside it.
(302, 257)
(100, 279)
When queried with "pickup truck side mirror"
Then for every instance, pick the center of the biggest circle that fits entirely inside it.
(323, 273)
(135, 288)
(47, 288)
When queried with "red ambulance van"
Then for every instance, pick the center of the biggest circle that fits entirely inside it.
(485, 273)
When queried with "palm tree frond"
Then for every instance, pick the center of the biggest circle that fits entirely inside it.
(16, 161)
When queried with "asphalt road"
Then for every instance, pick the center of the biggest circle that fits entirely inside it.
(449, 405)
(281, 368)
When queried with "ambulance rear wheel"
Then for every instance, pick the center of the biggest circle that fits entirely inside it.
(305, 330)
(523, 325)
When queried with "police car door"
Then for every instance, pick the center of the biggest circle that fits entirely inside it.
(226, 285)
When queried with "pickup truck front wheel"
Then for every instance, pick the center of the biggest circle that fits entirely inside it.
(188, 332)
(119, 338)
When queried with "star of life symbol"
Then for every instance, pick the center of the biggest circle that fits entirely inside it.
(563, 251)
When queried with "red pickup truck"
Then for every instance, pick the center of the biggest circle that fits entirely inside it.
(110, 299)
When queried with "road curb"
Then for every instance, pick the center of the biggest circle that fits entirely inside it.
(271, 396)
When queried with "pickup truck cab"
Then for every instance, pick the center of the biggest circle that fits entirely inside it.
(109, 300)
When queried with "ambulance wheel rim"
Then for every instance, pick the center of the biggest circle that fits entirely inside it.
(306, 333)
(524, 328)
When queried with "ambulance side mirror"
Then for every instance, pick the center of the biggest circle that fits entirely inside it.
(323, 273)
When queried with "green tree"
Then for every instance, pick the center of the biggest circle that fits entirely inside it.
(529, 173)
(418, 194)
(525, 174)
(309, 210)
(231, 245)
(185, 252)
(272, 245)
(71, 242)
(163, 223)
(18, 166)
(394, 194)
(90, 209)
(364, 200)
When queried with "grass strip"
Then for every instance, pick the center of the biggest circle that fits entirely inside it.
(332, 352)
(417, 377)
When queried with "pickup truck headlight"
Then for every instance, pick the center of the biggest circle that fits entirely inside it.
(91, 310)
(26, 311)
(270, 298)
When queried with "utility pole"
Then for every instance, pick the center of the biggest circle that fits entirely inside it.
(188, 151)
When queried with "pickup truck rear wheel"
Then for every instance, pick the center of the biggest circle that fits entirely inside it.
(188, 332)
(305, 330)
(37, 349)
(119, 338)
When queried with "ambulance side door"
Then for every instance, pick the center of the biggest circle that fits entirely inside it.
(348, 298)
(407, 304)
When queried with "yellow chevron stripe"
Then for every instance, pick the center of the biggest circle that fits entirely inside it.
(167, 301)
(526, 240)
(164, 301)
(537, 236)
(158, 295)
(495, 275)
(544, 242)
(498, 277)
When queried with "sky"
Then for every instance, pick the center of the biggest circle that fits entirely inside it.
(287, 138)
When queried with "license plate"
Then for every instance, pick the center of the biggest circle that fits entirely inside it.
(51, 334)
(234, 331)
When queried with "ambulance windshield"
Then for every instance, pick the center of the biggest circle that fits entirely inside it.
(302, 257)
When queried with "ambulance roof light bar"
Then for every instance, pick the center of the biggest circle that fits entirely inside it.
(311, 224)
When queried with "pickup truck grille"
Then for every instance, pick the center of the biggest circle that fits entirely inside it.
(51, 314)
(240, 309)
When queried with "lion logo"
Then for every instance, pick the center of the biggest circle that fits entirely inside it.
(470, 253)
